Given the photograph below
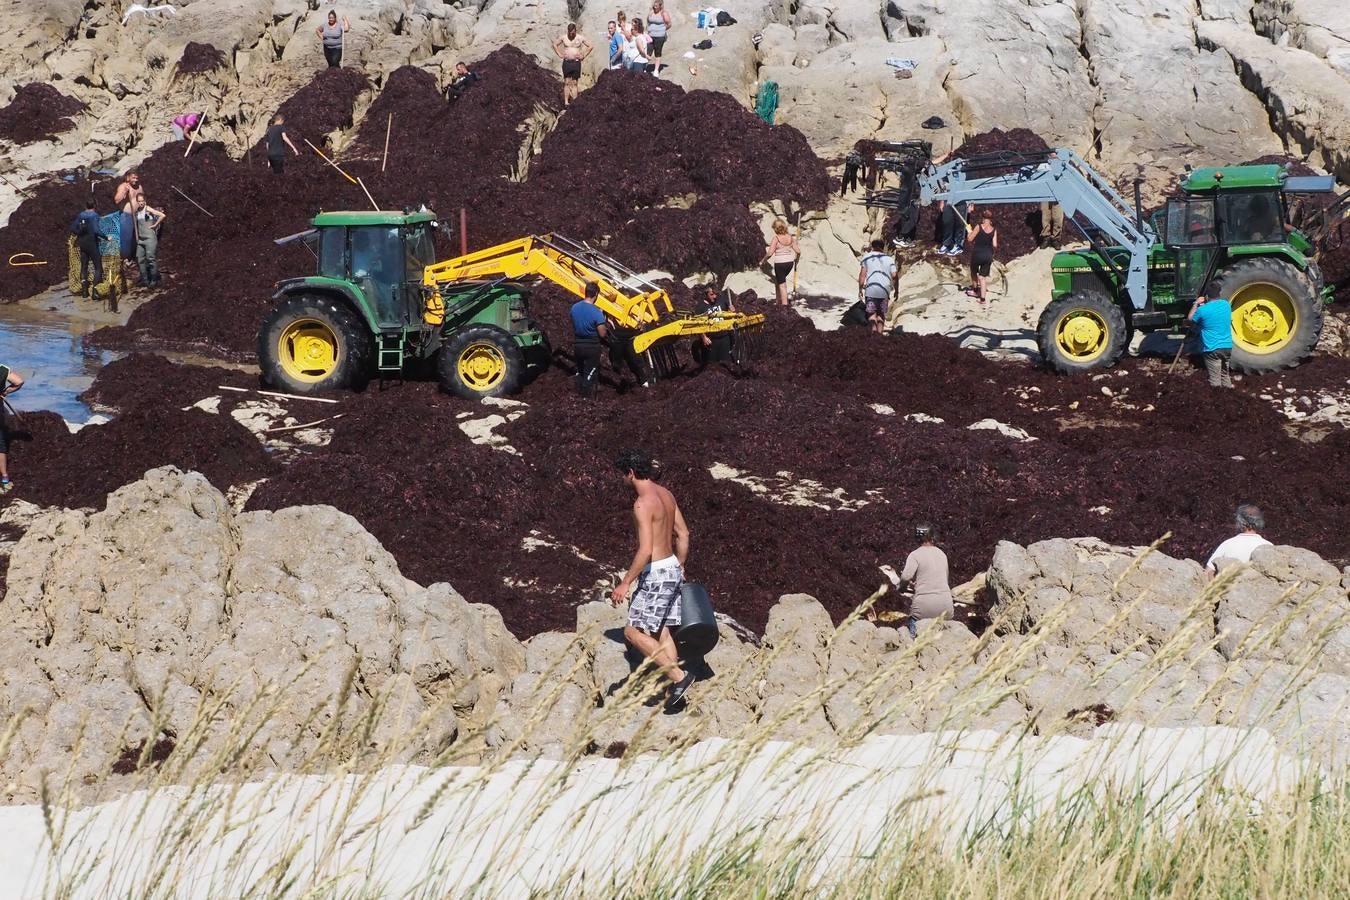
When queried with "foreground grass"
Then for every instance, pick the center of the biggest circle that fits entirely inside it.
(1131, 813)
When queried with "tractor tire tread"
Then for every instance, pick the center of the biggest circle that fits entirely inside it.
(1307, 327)
(354, 366)
(1100, 302)
(453, 344)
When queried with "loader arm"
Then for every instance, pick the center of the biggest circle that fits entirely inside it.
(627, 298)
(1057, 176)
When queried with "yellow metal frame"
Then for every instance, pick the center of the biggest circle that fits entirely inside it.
(647, 311)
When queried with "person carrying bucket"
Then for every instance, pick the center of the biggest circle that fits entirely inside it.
(656, 572)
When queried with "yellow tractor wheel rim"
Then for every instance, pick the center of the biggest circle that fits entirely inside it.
(1264, 317)
(1082, 335)
(482, 366)
(308, 350)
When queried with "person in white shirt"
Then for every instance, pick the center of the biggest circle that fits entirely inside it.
(878, 278)
(1240, 546)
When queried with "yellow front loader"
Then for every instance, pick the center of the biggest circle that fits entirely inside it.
(632, 303)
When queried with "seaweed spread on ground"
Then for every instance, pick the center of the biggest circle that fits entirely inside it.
(38, 112)
(676, 196)
(78, 470)
(806, 476)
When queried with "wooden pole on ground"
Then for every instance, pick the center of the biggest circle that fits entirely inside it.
(330, 162)
(196, 131)
(387, 128)
(193, 202)
(463, 231)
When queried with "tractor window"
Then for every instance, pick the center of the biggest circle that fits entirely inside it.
(1252, 218)
(333, 252)
(1190, 222)
(377, 265)
(420, 251)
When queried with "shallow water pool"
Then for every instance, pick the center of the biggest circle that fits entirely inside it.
(48, 350)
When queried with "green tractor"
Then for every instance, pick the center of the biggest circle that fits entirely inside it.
(380, 301)
(1229, 227)
(368, 312)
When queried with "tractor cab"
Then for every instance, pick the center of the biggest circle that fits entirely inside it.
(382, 255)
(1223, 212)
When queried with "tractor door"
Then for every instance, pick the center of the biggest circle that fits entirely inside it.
(377, 266)
(1193, 237)
(419, 251)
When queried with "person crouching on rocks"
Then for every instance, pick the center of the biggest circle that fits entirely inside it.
(657, 571)
(926, 570)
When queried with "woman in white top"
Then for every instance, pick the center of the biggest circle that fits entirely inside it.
(658, 28)
(635, 51)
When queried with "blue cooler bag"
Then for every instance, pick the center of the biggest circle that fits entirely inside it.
(697, 634)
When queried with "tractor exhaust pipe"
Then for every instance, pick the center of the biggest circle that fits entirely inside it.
(464, 231)
(1138, 204)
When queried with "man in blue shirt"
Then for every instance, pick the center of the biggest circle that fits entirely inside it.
(589, 328)
(1214, 317)
(616, 40)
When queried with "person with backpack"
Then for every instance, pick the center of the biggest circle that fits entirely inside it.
(85, 229)
(878, 278)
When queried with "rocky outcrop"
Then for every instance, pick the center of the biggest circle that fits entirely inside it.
(169, 621)
(1151, 82)
(128, 623)
(1148, 639)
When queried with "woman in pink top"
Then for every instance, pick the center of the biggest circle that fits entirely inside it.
(783, 251)
(183, 123)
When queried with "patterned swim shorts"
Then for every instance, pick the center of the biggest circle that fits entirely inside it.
(657, 596)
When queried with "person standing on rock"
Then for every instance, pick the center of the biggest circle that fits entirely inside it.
(878, 278)
(332, 37)
(983, 240)
(616, 41)
(1241, 545)
(572, 48)
(635, 48)
(926, 569)
(12, 382)
(125, 199)
(589, 329)
(783, 251)
(1214, 317)
(85, 229)
(657, 571)
(1052, 223)
(148, 220)
(277, 142)
(658, 29)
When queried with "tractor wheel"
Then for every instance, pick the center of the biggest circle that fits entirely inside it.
(1277, 316)
(1081, 331)
(311, 343)
(480, 361)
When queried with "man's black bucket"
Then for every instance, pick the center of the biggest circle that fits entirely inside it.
(697, 634)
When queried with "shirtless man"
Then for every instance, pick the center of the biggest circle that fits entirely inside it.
(657, 570)
(128, 192)
(572, 48)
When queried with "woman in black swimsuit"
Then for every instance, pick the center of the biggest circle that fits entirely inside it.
(983, 241)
